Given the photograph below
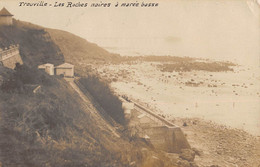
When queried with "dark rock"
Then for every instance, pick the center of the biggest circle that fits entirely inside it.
(193, 164)
(187, 154)
(153, 161)
(183, 163)
(197, 151)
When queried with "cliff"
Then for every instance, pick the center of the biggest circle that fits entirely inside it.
(77, 50)
(40, 45)
(55, 126)
(36, 46)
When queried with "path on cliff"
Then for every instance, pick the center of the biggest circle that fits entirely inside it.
(92, 109)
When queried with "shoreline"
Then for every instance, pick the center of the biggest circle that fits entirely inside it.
(219, 144)
(219, 116)
(233, 101)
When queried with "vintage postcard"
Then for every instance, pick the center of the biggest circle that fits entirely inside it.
(129, 83)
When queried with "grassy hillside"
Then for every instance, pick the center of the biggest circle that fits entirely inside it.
(53, 127)
(77, 50)
(50, 129)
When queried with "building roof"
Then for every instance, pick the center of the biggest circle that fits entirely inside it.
(65, 65)
(5, 12)
(45, 65)
(48, 64)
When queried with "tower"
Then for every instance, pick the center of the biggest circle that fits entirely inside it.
(5, 17)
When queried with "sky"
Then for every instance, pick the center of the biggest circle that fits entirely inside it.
(214, 29)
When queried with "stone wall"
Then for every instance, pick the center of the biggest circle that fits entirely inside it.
(162, 134)
(10, 62)
(169, 139)
(9, 57)
(67, 72)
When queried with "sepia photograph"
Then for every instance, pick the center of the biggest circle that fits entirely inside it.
(130, 83)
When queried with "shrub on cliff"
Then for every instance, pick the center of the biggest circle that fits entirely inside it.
(24, 75)
(105, 97)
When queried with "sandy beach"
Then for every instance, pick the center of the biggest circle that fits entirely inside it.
(228, 98)
(218, 111)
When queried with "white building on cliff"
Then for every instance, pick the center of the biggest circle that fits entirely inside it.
(65, 69)
(48, 68)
